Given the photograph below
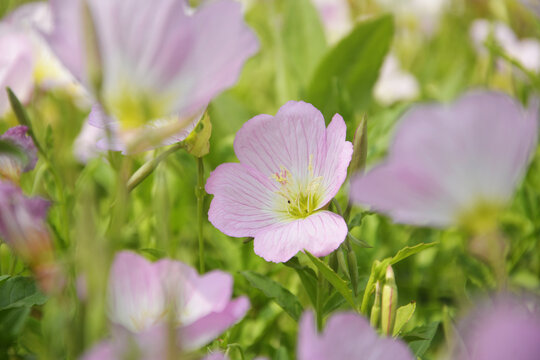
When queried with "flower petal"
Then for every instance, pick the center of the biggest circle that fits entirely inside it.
(136, 296)
(209, 327)
(243, 200)
(320, 234)
(346, 336)
(445, 160)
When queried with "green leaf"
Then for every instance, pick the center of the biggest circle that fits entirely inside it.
(403, 315)
(20, 291)
(308, 278)
(275, 291)
(338, 283)
(304, 39)
(352, 66)
(410, 250)
(420, 338)
(12, 322)
(9, 148)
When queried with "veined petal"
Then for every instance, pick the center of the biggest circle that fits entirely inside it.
(346, 336)
(291, 139)
(320, 234)
(137, 299)
(209, 327)
(243, 201)
(337, 159)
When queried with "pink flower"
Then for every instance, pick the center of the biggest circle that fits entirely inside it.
(290, 167)
(11, 166)
(394, 84)
(145, 297)
(450, 163)
(347, 336)
(16, 66)
(157, 59)
(503, 328)
(23, 224)
(336, 18)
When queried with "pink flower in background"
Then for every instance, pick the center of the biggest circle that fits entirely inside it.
(336, 18)
(16, 66)
(145, 297)
(502, 328)
(347, 336)
(395, 84)
(12, 166)
(158, 59)
(290, 168)
(526, 51)
(448, 162)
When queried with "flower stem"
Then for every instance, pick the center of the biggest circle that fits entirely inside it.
(319, 305)
(199, 192)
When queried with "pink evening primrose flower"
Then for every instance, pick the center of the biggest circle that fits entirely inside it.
(395, 84)
(449, 163)
(336, 18)
(505, 327)
(11, 166)
(347, 336)
(16, 66)
(157, 59)
(290, 167)
(145, 297)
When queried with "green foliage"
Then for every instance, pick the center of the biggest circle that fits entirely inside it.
(346, 75)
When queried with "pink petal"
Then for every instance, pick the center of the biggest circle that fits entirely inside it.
(320, 234)
(346, 336)
(289, 139)
(243, 200)
(136, 296)
(209, 327)
(499, 329)
(16, 66)
(102, 351)
(445, 159)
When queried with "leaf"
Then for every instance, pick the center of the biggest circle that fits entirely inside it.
(155, 253)
(9, 148)
(358, 242)
(410, 250)
(420, 338)
(333, 302)
(338, 283)
(275, 291)
(307, 277)
(352, 66)
(20, 291)
(11, 324)
(403, 315)
(303, 37)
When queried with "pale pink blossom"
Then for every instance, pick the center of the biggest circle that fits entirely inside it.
(16, 66)
(291, 166)
(526, 51)
(336, 18)
(145, 299)
(449, 161)
(395, 84)
(505, 327)
(347, 336)
(156, 59)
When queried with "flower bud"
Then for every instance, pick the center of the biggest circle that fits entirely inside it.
(376, 309)
(389, 302)
(23, 159)
(22, 225)
(358, 161)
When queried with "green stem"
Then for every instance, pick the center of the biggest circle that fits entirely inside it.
(199, 192)
(319, 306)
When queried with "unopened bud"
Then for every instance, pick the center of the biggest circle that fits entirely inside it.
(342, 262)
(389, 302)
(353, 270)
(376, 309)
(358, 161)
(198, 142)
(93, 54)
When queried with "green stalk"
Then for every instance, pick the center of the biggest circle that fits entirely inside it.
(319, 306)
(199, 192)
